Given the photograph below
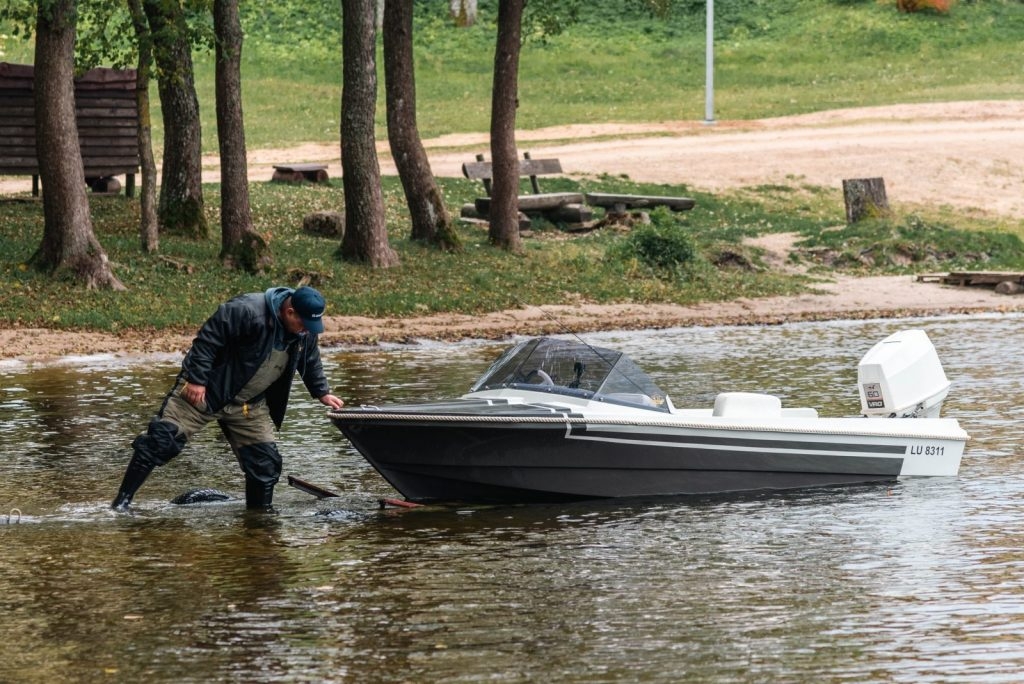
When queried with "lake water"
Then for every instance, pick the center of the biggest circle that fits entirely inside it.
(920, 581)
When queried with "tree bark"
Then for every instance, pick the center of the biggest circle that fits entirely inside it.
(504, 213)
(241, 246)
(69, 244)
(181, 192)
(865, 198)
(431, 222)
(366, 238)
(149, 235)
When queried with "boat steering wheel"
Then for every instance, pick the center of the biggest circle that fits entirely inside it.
(545, 379)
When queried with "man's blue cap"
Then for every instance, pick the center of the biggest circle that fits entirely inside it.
(309, 304)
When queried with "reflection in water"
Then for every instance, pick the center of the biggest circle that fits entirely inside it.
(919, 581)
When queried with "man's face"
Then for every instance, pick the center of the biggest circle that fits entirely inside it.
(291, 319)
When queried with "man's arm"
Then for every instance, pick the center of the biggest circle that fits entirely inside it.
(315, 380)
(229, 323)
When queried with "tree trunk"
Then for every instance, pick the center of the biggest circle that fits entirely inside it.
(366, 237)
(463, 12)
(504, 213)
(430, 220)
(241, 246)
(69, 244)
(181, 192)
(865, 198)
(149, 237)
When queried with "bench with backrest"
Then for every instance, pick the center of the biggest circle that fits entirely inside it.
(558, 206)
(107, 119)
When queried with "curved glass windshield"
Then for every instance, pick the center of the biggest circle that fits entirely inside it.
(564, 367)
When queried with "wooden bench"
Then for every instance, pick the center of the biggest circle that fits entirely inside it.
(300, 173)
(556, 206)
(107, 119)
(620, 204)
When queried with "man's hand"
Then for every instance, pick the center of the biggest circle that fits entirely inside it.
(332, 401)
(194, 394)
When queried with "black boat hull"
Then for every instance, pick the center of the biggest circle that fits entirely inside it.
(521, 462)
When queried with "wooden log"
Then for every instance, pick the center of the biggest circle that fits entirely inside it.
(570, 213)
(865, 198)
(1009, 287)
(470, 211)
(620, 203)
(536, 203)
(299, 173)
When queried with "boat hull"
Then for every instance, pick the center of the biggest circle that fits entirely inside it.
(457, 458)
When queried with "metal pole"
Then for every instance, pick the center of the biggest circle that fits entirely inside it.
(709, 61)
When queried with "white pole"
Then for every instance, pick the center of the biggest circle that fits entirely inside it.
(709, 61)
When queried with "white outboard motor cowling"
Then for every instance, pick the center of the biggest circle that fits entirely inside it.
(901, 377)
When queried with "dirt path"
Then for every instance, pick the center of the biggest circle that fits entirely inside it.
(966, 155)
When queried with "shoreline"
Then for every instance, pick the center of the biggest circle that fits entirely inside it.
(965, 155)
(845, 298)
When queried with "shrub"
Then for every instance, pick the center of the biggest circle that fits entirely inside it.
(662, 245)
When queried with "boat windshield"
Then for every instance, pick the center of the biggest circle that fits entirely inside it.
(564, 367)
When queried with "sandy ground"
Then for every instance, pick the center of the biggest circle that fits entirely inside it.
(969, 156)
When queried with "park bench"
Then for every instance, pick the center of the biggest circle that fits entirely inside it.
(566, 207)
(107, 118)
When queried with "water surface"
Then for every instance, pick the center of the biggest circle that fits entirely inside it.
(921, 581)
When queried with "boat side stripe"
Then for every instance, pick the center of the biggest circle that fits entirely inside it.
(362, 416)
(738, 443)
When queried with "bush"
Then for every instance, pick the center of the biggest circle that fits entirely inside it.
(662, 245)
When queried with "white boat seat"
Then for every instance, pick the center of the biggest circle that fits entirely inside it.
(747, 405)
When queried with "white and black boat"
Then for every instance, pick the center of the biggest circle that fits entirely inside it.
(560, 420)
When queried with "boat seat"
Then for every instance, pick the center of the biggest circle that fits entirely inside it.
(747, 405)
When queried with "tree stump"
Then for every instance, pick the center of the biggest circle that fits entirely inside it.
(1009, 287)
(865, 198)
(329, 224)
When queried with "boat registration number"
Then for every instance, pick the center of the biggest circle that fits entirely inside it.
(927, 450)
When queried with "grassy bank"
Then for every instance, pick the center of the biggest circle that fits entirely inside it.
(683, 258)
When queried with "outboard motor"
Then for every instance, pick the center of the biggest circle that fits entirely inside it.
(901, 377)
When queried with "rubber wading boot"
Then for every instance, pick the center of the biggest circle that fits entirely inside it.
(136, 473)
(258, 495)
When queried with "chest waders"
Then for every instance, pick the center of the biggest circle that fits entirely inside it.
(247, 427)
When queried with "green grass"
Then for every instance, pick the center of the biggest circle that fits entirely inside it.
(555, 267)
(772, 58)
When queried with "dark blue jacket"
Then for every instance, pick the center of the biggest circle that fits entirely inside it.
(235, 341)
